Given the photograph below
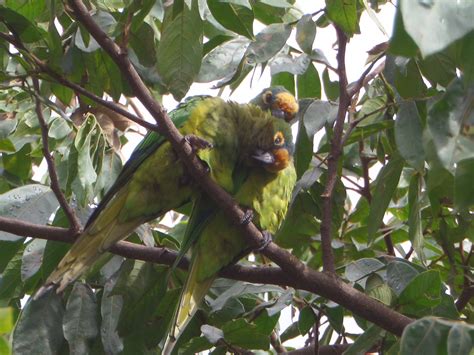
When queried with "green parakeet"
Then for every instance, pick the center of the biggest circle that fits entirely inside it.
(153, 181)
(262, 185)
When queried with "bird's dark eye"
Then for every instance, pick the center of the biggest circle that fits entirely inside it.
(279, 139)
(267, 97)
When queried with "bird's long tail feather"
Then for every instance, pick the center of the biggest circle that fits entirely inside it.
(191, 297)
(99, 236)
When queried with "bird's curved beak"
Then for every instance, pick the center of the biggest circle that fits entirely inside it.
(274, 160)
(263, 157)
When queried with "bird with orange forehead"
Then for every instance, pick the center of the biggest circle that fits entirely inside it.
(250, 139)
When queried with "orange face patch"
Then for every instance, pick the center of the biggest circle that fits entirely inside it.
(282, 159)
(287, 103)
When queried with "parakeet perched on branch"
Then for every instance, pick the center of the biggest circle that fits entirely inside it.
(265, 189)
(154, 181)
(262, 185)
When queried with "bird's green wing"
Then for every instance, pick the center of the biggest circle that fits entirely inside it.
(149, 144)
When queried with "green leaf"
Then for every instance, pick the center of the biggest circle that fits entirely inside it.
(110, 308)
(10, 279)
(445, 122)
(222, 61)
(408, 135)
(424, 336)
(59, 128)
(415, 228)
(423, 291)
(180, 50)
(408, 80)
(399, 275)
(308, 84)
(463, 186)
(306, 320)
(268, 42)
(33, 203)
(361, 268)
(386, 184)
(32, 258)
(285, 63)
(6, 320)
(344, 14)
(460, 339)
(241, 333)
(305, 33)
(26, 30)
(80, 322)
(39, 328)
(284, 79)
(401, 43)
(433, 25)
(331, 88)
(365, 341)
(233, 17)
(6, 127)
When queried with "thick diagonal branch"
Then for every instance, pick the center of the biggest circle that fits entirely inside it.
(301, 275)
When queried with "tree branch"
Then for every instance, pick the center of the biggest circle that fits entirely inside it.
(309, 280)
(43, 67)
(301, 276)
(334, 154)
(75, 225)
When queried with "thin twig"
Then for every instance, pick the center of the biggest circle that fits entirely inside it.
(335, 152)
(75, 225)
(43, 67)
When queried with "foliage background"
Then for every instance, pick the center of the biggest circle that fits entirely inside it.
(409, 119)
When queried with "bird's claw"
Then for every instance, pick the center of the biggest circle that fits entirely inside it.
(247, 217)
(267, 239)
(197, 143)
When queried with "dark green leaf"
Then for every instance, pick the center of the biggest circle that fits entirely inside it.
(33, 203)
(286, 80)
(422, 291)
(32, 258)
(241, 333)
(399, 275)
(180, 50)
(386, 184)
(408, 135)
(80, 322)
(460, 339)
(425, 336)
(361, 268)
(331, 88)
(401, 43)
(10, 279)
(39, 329)
(110, 309)
(306, 320)
(415, 228)
(463, 186)
(309, 85)
(233, 17)
(365, 341)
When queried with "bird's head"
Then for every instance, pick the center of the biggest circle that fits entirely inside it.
(275, 151)
(279, 101)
